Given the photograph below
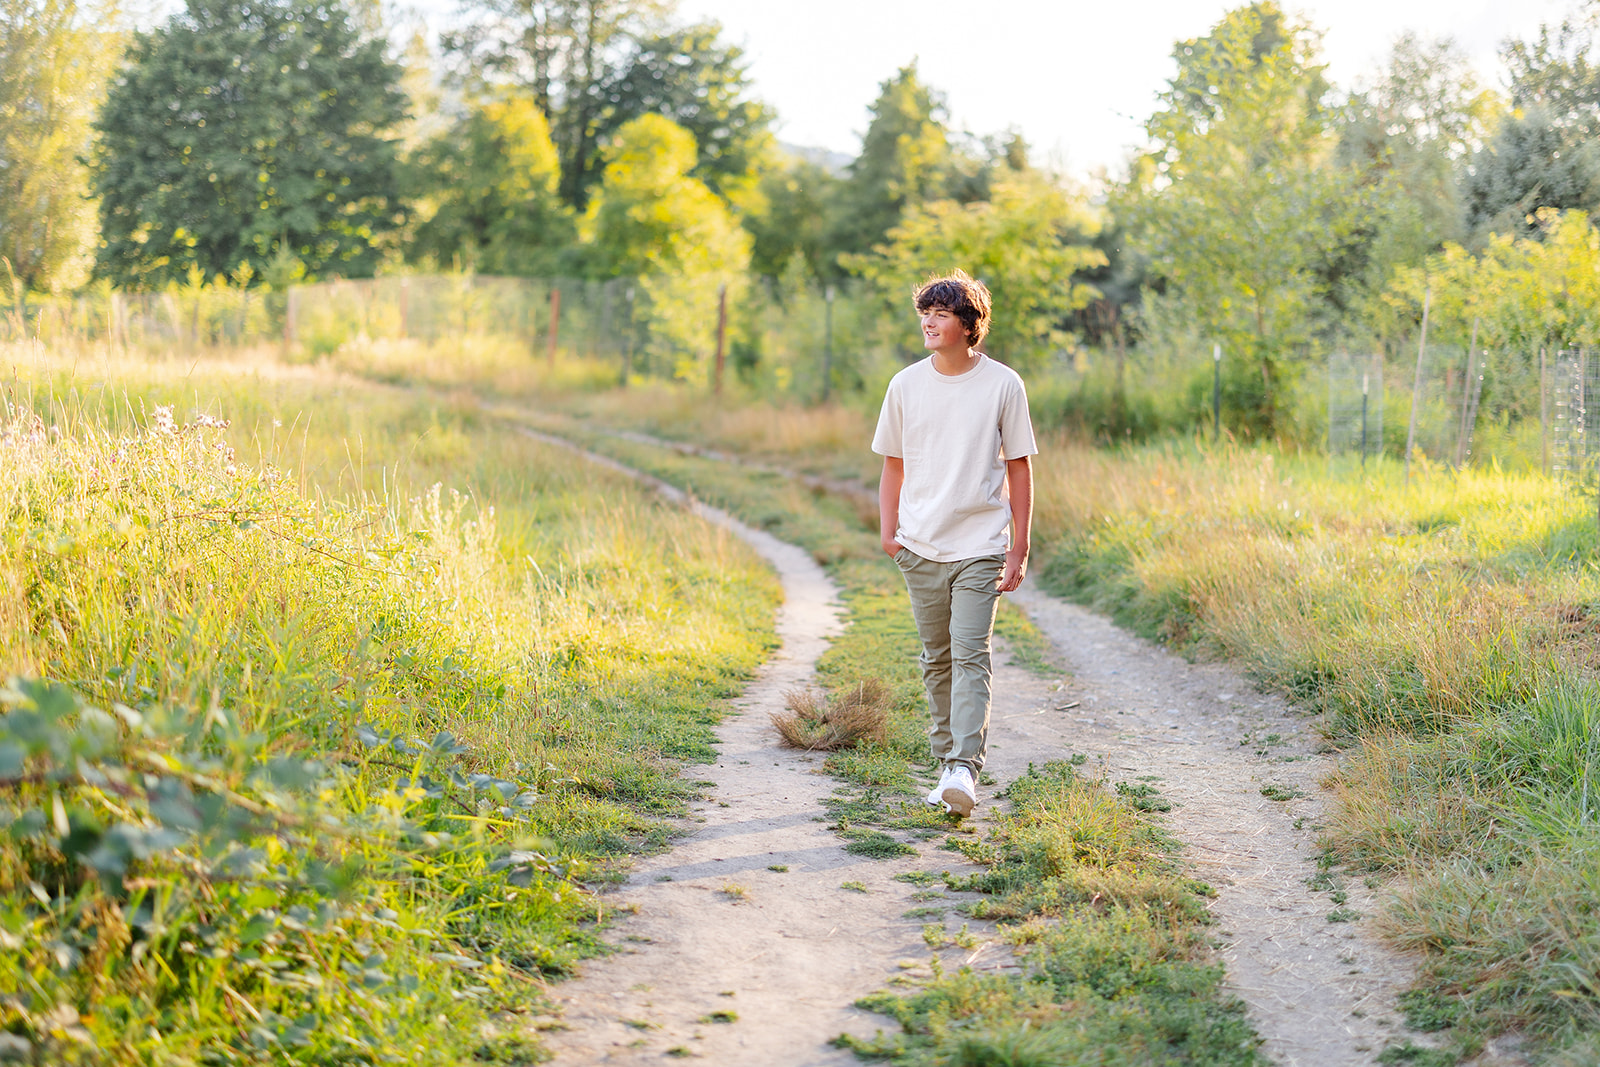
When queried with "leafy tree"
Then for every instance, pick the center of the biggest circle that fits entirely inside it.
(1027, 243)
(689, 76)
(1407, 138)
(905, 159)
(239, 128)
(55, 56)
(1545, 153)
(493, 180)
(652, 220)
(791, 218)
(1235, 202)
(566, 53)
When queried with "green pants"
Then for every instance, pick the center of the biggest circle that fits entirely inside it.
(954, 605)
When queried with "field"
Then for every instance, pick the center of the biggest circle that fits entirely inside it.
(330, 704)
(340, 678)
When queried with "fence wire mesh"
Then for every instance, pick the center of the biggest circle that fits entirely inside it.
(1575, 416)
(1355, 404)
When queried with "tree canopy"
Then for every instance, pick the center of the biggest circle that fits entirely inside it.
(242, 129)
(1235, 204)
(494, 180)
(54, 59)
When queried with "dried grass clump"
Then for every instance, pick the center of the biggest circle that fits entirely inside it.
(817, 724)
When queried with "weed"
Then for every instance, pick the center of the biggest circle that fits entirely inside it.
(780, 868)
(720, 1017)
(1144, 797)
(919, 877)
(877, 845)
(1417, 1056)
(855, 887)
(1343, 915)
(1280, 792)
(736, 893)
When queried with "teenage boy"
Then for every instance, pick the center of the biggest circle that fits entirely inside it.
(955, 438)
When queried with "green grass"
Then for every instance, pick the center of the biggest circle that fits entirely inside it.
(1111, 936)
(325, 724)
(1445, 631)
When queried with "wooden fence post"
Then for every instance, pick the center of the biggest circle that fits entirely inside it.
(722, 333)
(555, 325)
(1416, 385)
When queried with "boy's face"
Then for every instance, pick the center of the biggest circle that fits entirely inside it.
(943, 330)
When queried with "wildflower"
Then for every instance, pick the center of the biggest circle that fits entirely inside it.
(209, 422)
(163, 420)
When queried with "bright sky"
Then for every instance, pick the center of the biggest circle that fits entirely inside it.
(1076, 78)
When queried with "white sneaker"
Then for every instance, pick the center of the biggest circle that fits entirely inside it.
(936, 795)
(959, 794)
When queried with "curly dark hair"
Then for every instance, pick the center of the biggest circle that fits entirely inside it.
(961, 295)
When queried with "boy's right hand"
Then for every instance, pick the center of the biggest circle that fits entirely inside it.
(891, 547)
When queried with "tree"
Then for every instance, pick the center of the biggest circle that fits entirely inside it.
(904, 159)
(1544, 154)
(239, 128)
(653, 221)
(1235, 202)
(1028, 244)
(493, 181)
(1407, 138)
(791, 218)
(54, 59)
(566, 53)
(690, 77)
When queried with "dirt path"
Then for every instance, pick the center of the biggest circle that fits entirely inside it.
(1321, 993)
(746, 947)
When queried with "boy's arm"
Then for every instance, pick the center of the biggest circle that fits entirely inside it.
(893, 477)
(1019, 480)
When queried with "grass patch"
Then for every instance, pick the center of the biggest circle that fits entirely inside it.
(330, 707)
(877, 845)
(1112, 937)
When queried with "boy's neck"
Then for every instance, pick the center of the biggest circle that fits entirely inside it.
(955, 363)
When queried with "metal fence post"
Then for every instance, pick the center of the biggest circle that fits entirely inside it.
(1216, 392)
(827, 344)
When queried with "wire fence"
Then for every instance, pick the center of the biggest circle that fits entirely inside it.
(1464, 404)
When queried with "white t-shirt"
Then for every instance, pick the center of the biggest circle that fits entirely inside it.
(955, 434)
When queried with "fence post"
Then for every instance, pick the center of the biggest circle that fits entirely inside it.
(827, 342)
(1216, 392)
(1416, 385)
(289, 303)
(1364, 377)
(722, 333)
(1544, 421)
(1462, 431)
(555, 325)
